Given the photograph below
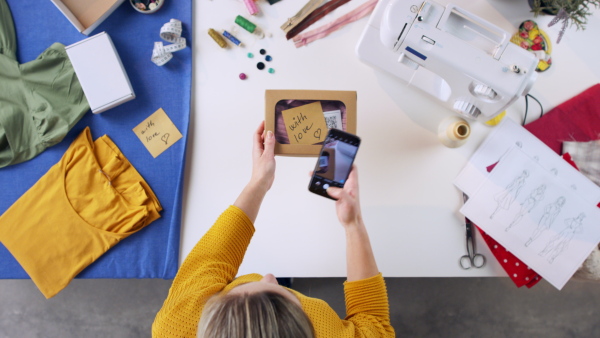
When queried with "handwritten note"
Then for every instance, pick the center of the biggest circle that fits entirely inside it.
(305, 124)
(157, 132)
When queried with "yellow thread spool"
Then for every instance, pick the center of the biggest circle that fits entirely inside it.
(218, 38)
(453, 132)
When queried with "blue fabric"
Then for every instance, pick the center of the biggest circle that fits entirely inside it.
(153, 252)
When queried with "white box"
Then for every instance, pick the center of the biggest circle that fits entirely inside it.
(100, 72)
(86, 15)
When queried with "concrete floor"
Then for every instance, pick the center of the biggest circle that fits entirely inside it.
(420, 307)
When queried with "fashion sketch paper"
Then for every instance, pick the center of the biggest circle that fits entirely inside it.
(536, 215)
(507, 135)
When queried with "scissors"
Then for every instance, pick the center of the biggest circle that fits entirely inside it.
(471, 259)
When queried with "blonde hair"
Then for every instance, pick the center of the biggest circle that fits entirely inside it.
(254, 315)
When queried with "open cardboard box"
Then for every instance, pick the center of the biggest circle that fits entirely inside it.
(278, 100)
(86, 15)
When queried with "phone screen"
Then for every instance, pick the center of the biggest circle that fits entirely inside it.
(334, 162)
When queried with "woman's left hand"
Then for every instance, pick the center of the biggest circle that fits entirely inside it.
(263, 159)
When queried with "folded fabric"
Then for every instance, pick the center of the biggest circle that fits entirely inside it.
(577, 119)
(84, 205)
(40, 101)
(587, 157)
(519, 272)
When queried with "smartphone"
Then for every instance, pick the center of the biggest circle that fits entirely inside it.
(334, 162)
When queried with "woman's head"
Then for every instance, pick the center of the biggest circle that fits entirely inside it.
(257, 309)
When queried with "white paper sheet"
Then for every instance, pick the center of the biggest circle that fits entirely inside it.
(537, 214)
(506, 135)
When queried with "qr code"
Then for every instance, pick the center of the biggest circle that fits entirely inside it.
(331, 122)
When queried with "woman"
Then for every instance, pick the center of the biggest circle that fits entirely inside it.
(206, 300)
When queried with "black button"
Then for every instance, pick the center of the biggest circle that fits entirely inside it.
(260, 65)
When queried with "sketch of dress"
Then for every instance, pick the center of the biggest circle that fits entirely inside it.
(506, 197)
(528, 204)
(550, 212)
(560, 242)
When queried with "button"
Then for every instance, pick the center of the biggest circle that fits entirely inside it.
(260, 65)
(325, 186)
(428, 40)
(317, 183)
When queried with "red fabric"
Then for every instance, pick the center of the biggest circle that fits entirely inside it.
(577, 119)
(520, 273)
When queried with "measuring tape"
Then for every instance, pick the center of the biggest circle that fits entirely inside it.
(170, 32)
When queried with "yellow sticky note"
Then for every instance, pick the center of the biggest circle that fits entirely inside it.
(305, 124)
(157, 132)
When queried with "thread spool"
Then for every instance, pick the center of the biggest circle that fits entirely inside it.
(453, 132)
(251, 6)
(218, 38)
(249, 26)
(232, 38)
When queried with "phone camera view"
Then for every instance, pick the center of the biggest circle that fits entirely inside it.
(334, 162)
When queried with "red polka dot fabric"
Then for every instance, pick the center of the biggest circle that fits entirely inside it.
(518, 271)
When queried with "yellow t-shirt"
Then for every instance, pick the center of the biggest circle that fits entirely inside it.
(212, 265)
(84, 205)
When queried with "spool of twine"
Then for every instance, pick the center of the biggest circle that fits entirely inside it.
(453, 132)
(218, 38)
(249, 26)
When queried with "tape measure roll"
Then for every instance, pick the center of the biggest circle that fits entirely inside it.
(170, 32)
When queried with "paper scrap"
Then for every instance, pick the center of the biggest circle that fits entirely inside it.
(333, 119)
(305, 124)
(157, 132)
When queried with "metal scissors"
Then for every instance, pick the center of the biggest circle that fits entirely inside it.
(471, 259)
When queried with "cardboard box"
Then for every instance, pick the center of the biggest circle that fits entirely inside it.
(100, 72)
(86, 15)
(277, 101)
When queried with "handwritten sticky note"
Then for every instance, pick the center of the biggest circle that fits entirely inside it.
(157, 132)
(305, 124)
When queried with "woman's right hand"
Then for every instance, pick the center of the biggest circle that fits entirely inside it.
(347, 205)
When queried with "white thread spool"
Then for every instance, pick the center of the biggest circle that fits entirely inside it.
(454, 131)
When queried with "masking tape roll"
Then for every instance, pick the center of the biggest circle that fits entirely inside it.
(453, 131)
(170, 32)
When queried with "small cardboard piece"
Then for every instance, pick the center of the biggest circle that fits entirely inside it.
(86, 15)
(272, 97)
(100, 72)
(157, 132)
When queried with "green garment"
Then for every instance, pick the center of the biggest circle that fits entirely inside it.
(40, 101)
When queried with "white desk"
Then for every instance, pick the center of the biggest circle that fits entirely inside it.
(408, 200)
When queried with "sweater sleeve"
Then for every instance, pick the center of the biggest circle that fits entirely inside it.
(367, 307)
(210, 266)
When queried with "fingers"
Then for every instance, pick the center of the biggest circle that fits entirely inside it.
(257, 143)
(335, 192)
(352, 183)
(269, 144)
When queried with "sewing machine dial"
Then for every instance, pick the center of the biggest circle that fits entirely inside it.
(484, 91)
(467, 109)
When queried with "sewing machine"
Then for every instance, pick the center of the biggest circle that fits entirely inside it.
(467, 63)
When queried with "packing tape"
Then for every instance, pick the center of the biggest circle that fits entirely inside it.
(170, 32)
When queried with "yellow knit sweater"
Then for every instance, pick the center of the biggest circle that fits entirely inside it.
(212, 265)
